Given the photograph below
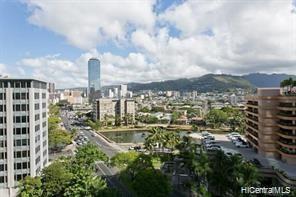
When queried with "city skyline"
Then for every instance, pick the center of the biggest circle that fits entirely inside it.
(39, 41)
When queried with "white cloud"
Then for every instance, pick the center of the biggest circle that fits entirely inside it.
(215, 36)
(86, 23)
(249, 35)
(3, 70)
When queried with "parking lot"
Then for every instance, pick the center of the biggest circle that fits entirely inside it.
(249, 154)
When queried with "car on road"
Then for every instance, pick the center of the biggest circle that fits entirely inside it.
(239, 144)
(256, 162)
(205, 133)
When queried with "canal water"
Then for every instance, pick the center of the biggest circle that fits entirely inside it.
(131, 136)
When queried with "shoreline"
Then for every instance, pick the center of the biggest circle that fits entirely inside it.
(171, 128)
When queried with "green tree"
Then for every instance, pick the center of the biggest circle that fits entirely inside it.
(30, 187)
(216, 117)
(175, 116)
(89, 154)
(117, 121)
(58, 139)
(151, 182)
(123, 160)
(154, 139)
(55, 178)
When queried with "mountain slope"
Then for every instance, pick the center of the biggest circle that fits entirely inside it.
(266, 80)
(210, 82)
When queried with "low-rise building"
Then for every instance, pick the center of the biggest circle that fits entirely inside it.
(112, 108)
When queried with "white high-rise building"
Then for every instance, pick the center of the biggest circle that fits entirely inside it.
(23, 131)
(123, 90)
(233, 99)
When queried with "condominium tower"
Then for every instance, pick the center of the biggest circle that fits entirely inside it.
(111, 108)
(23, 131)
(271, 124)
(94, 79)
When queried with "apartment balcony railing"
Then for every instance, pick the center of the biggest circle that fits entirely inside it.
(288, 133)
(286, 105)
(287, 151)
(287, 142)
(252, 132)
(252, 103)
(286, 114)
(287, 124)
(252, 140)
(252, 125)
(252, 111)
(253, 118)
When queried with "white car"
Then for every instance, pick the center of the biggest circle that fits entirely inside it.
(241, 145)
(205, 133)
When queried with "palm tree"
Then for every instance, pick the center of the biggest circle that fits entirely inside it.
(156, 138)
(171, 140)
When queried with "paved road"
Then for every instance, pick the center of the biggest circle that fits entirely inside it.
(109, 173)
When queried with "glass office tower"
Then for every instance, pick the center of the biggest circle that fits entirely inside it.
(94, 79)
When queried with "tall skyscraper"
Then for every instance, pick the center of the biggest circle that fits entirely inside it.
(23, 131)
(94, 79)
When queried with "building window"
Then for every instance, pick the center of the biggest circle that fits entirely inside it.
(43, 105)
(16, 107)
(43, 95)
(1, 179)
(37, 117)
(2, 132)
(3, 143)
(36, 95)
(36, 106)
(2, 120)
(2, 96)
(2, 108)
(24, 96)
(37, 160)
(37, 128)
(43, 114)
(16, 96)
(17, 119)
(3, 155)
(44, 124)
(25, 142)
(17, 154)
(25, 130)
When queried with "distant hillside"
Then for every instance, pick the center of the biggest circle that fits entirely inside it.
(266, 80)
(214, 82)
(210, 82)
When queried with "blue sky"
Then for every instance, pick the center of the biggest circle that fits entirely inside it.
(147, 41)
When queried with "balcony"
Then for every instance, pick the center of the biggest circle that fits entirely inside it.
(286, 114)
(254, 126)
(286, 125)
(252, 140)
(254, 118)
(254, 111)
(253, 133)
(287, 143)
(252, 103)
(287, 152)
(286, 105)
(286, 134)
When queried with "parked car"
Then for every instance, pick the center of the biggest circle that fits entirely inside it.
(205, 133)
(241, 144)
(256, 162)
(211, 137)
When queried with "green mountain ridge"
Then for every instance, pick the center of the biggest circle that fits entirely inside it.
(214, 82)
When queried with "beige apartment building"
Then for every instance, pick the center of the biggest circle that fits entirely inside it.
(115, 107)
(271, 124)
